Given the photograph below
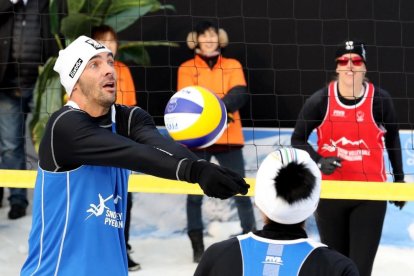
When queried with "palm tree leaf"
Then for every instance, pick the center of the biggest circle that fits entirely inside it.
(119, 6)
(47, 96)
(53, 17)
(135, 51)
(123, 20)
(99, 8)
(77, 24)
(75, 6)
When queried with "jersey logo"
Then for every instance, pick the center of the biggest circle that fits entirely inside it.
(360, 116)
(338, 113)
(112, 218)
(347, 149)
(276, 260)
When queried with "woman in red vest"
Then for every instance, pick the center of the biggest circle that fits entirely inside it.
(353, 119)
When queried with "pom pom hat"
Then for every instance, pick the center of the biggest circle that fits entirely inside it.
(293, 197)
(73, 59)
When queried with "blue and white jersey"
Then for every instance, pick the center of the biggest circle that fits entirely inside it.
(261, 256)
(78, 222)
(78, 211)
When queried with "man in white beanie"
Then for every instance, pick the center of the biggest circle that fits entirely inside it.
(288, 185)
(88, 150)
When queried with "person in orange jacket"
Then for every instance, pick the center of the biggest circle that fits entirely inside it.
(224, 77)
(125, 95)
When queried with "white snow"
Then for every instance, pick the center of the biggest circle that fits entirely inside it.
(160, 243)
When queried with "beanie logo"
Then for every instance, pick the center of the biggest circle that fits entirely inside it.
(349, 45)
(75, 68)
(95, 44)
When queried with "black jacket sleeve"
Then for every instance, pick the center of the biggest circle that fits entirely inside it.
(385, 117)
(309, 118)
(236, 98)
(142, 130)
(73, 138)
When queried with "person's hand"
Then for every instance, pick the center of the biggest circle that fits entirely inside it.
(328, 165)
(216, 181)
(398, 204)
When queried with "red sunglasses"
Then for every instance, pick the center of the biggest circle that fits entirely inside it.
(356, 61)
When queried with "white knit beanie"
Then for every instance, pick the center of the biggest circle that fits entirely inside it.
(274, 206)
(73, 59)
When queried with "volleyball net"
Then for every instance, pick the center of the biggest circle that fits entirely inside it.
(152, 184)
(287, 52)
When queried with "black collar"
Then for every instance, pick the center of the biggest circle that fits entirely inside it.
(277, 231)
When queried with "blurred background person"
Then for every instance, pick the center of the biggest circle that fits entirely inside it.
(126, 95)
(224, 77)
(26, 43)
(353, 119)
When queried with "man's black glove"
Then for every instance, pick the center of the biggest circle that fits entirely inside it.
(216, 181)
(398, 204)
(328, 165)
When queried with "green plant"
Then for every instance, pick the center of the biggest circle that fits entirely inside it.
(48, 95)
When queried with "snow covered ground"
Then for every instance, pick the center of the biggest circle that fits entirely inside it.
(162, 247)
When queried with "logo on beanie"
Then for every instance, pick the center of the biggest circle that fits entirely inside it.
(95, 44)
(349, 45)
(75, 68)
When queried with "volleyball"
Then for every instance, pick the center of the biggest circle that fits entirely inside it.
(195, 117)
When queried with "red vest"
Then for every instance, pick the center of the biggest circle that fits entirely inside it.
(350, 133)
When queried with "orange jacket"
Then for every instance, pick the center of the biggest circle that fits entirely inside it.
(125, 85)
(226, 74)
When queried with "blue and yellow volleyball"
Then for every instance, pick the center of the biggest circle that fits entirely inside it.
(195, 117)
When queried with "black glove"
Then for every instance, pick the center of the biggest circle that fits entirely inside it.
(329, 164)
(216, 181)
(398, 204)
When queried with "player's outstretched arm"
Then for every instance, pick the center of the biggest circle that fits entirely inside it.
(215, 181)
